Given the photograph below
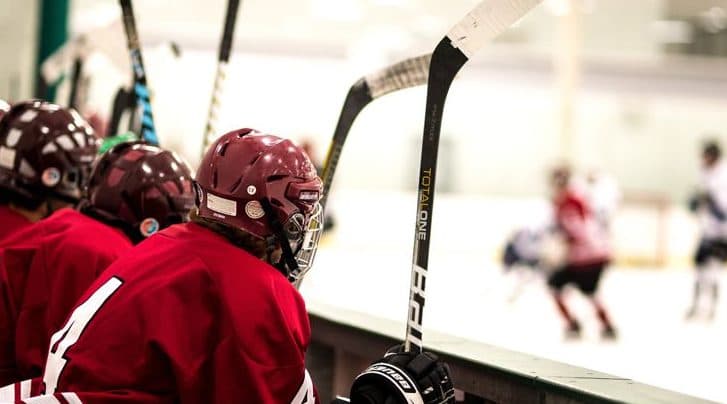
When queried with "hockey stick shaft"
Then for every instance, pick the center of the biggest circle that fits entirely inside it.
(408, 73)
(141, 89)
(488, 19)
(75, 82)
(358, 97)
(223, 58)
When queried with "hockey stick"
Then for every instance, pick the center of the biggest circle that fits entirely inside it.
(141, 90)
(75, 82)
(484, 22)
(408, 73)
(222, 58)
(411, 72)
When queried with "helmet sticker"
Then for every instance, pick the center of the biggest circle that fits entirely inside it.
(254, 210)
(51, 176)
(148, 226)
(221, 205)
(251, 190)
(7, 157)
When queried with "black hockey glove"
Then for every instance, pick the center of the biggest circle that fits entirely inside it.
(404, 378)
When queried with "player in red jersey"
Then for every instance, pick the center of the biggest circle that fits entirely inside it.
(206, 312)
(46, 153)
(587, 252)
(134, 190)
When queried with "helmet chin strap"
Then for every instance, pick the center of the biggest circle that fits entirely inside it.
(287, 263)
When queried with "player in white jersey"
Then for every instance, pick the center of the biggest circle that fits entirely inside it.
(521, 258)
(710, 203)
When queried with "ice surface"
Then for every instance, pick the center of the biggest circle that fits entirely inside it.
(468, 296)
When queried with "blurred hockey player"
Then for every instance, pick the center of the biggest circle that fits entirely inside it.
(586, 252)
(206, 312)
(522, 257)
(134, 190)
(711, 205)
(46, 153)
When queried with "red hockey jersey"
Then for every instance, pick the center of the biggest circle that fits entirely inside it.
(186, 317)
(11, 222)
(587, 242)
(44, 270)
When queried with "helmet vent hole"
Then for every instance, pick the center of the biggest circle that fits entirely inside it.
(255, 159)
(222, 148)
(214, 179)
(72, 177)
(243, 132)
(276, 177)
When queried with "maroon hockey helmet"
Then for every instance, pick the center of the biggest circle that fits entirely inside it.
(139, 188)
(264, 185)
(45, 151)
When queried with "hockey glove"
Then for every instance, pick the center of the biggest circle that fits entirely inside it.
(406, 378)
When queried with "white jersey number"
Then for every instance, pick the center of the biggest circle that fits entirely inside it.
(72, 330)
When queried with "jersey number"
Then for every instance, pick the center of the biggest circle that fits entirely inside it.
(72, 330)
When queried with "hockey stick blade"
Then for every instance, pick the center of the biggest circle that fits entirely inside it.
(487, 20)
(141, 90)
(408, 73)
(223, 58)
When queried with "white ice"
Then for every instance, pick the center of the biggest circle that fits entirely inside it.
(467, 296)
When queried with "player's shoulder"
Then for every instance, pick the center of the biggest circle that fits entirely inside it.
(12, 222)
(74, 230)
(25, 237)
(175, 249)
(189, 246)
(234, 269)
(59, 223)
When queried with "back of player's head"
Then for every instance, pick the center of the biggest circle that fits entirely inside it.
(262, 184)
(711, 149)
(46, 151)
(560, 176)
(139, 188)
